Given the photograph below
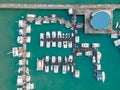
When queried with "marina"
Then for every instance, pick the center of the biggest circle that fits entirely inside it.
(57, 63)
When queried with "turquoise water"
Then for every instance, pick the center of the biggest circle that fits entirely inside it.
(50, 81)
(63, 1)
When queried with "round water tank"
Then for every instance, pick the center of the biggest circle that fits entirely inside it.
(100, 20)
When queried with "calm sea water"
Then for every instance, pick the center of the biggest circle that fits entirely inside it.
(50, 81)
(63, 1)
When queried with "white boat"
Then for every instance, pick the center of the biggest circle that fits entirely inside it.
(19, 80)
(77, 39)
(41, 43)
(59, 44)
(53, 18)
(76, 73)
(27, 54)
(46, 68)
(28, 29)
(28, 78)
(79, 53)
(59, 34)
(47, 44)
(68, 68)
(47, 58)
(53, 34)
(66, 59)
(20, 69)
(46, 20)
(19, 89)
(70, 58)
(53, 59)
(64, 69)
(53, 43)
(51, 67)
(20, 39)
(103, 76)
(114, 35)
(88, 53)
(41, 35)
(21, 62)
(28, 39)
(117, 42)
(29, 86)
(95, 45)
(69, 44)
(72, 68)
(40, 64)
(15, 52)
(59, 59)
(21, 23)
(117, 24)
(47, 34)
(64, 44)
(56, 68)
(98, 56)
(93, 59)
(63, 35)
(20, 31)
(38, 20)
(31, 15)
(98, 67)
(86, 45)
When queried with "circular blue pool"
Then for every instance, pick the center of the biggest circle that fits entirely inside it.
(100, 20)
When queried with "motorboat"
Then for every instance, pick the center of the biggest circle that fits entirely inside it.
(53, 34)
(47, 58)
(59, 44)
(64, 44)
(117, 42)
(95, 45)
(85, 45)
(99, 55)
(41, 43)
(77, 39)
(53, 59)
(69, 44)
(59, 59)
(46, 68)
(47, 34)
(64, 69)
(59, 34)
(56, 68)
(70, 58)
(93, 59)
(53, 43)
(41, 35)
(76, 74)
(47, 44)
